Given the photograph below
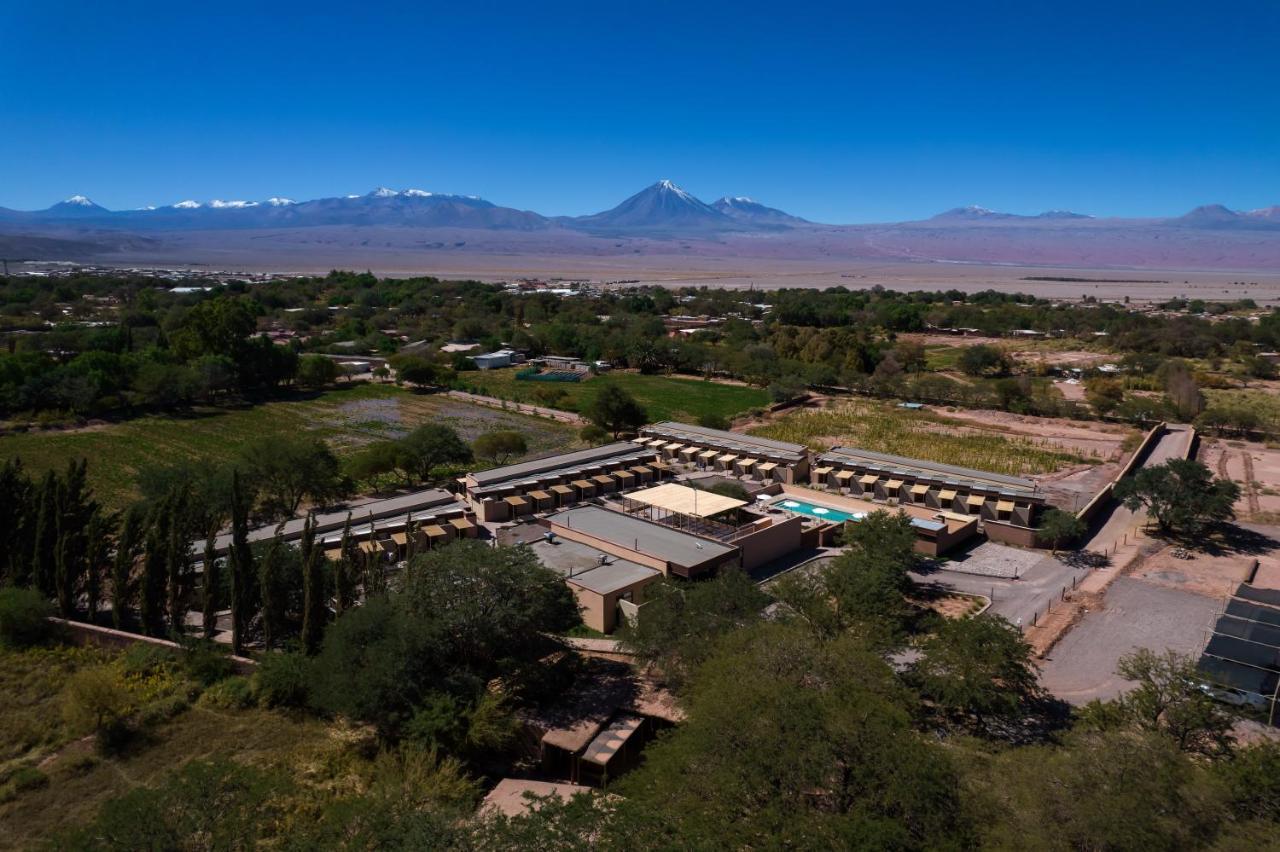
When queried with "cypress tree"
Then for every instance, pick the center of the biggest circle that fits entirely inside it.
(18, 508)
(122, 585)
(273, 602)
(97, 558)
(344, 581)
(313, 596)
(211, 580)
(155, 568)
(44, 540)
(177, 558)
(241, 562)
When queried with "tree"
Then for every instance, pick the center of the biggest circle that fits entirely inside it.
(98, 538)
(271, 585)
(616, 411)
(317, 371)
(314, 614)
(982, 360)
(713, 420)
(463, 615)
(593, 434)
(416, 370)
(123, 590)
(1104, 394)
(1058, 527)
(682, 621)
(498, 447)
(286, 469)
(1166, 700)
(375, 459)
(792, 741)
(155, 571)
(429, 447)
(210, 580)
(240, 560)
(976, 667)
(1181, 495)
(864, 589)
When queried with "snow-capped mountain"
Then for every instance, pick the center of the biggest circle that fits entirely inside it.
(77, 206)
(750, 211)
(660, 207)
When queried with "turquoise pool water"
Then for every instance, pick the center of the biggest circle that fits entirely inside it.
(824, 513)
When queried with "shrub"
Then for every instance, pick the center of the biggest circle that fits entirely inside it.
(232, 693)
(593, 434)
(162, 709)
(283, 680)
(24, 618)
(93, 699)
(143, 660)
(23, 779)
(205, 663)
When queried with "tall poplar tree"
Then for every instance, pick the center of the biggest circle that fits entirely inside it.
(313, 596)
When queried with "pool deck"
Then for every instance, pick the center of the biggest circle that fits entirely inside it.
(853, 506)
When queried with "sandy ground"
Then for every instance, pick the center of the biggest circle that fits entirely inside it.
(1204, 574)
(1255, 467)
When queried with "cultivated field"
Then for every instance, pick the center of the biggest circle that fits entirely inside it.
(926, 434)
(347, 418)
(663, 397)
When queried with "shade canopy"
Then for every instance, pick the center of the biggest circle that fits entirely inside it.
(684, 500)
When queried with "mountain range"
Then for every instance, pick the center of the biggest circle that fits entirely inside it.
(649, 222)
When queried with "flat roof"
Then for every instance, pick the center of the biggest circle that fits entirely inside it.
(516, 796)
(684, 500)
(917, 467)
(724, 438)
(415, 505)
(641, 536)
(613, 576)
(558, 461)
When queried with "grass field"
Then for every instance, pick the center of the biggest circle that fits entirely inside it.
(74, 779)
(663, 397)
(1266, 405)
(881, 427)
(347, 418)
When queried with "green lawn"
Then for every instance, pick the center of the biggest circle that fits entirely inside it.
(663, 397)
(346, 417)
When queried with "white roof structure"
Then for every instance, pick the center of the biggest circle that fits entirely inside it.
(684, 500)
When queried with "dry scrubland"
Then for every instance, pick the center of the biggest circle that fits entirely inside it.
(882, 427)
(346, 418)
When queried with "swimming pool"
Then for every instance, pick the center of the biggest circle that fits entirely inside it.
(826, 513)
(822, 513)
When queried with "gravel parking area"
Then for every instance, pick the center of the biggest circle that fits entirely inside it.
(994, 560)
(1081, 667)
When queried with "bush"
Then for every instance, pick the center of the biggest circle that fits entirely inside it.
(143, 660)
(206, 663)
(593, 434)
(23, 779)
(233, 693)
(24, 618)
(94, 699)
(162, 710)
(283, 680)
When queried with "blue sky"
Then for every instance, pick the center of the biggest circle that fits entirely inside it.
(845, 112)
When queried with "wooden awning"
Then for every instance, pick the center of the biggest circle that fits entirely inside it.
(746, 463)
(333, 554)
(688, 450)
(673, 446)
(1004, 506)
(434, 531)
(947, 494)
(401, 539)
(975, 499)
(867, 479)
(461, 524)
(707, 454)
(562, 489)
(625, 475)
(641, 470)
(727, 458)
(919, 489)
(539, 495)
(893, 484)
(516, 500)
(822, 471)
(846, 475)
(765, 467)
(604, 479)
(584, 483)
